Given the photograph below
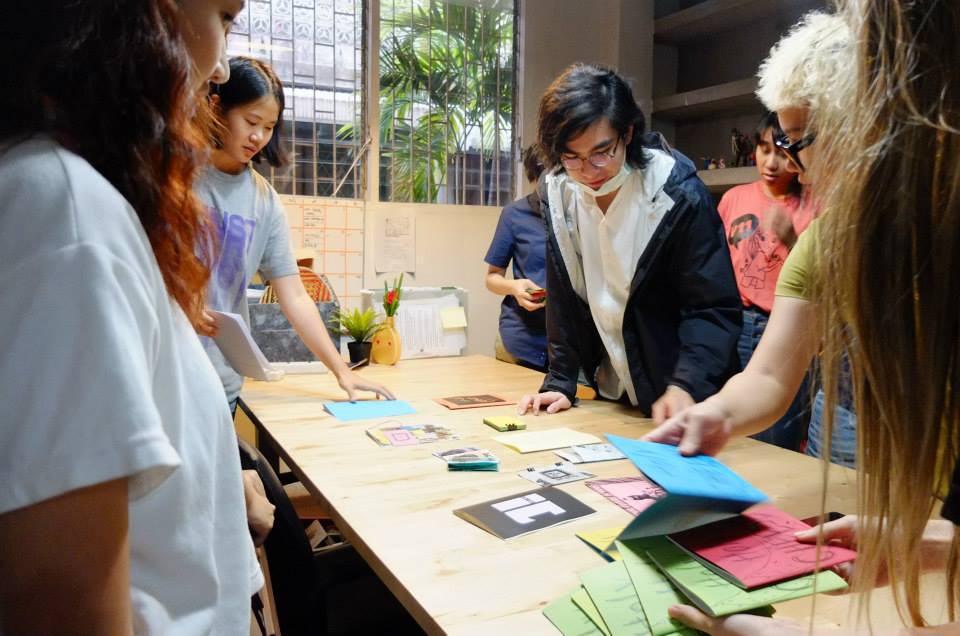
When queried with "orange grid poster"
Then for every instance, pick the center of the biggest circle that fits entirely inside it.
(332, 231)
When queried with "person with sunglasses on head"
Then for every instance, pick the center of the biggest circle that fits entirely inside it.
(885, 281)
(795, 81)
(642, 292)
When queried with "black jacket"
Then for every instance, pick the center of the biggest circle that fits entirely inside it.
(683, 314)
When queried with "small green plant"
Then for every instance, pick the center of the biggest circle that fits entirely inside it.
(359, 325)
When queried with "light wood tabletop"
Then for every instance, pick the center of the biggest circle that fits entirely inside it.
(396, 504)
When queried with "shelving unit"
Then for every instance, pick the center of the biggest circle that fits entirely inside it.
(715, 16)
(705, 57)
(711, 100)
(722, 179)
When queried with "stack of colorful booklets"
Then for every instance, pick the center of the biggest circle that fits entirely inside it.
(706, 542)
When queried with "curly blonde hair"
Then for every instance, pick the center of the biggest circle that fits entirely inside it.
(803, 65)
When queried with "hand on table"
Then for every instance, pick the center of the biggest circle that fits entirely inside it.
(352, 382)
(207, 325)
(259, 508)
(673, 401)
(703, 428)
(523, 297)
(551, 401)
(738, 624)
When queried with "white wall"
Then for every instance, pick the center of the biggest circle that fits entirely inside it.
(451, 241)
(557, 33)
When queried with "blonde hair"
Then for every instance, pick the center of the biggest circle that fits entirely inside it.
(889, 291)
(804, 62)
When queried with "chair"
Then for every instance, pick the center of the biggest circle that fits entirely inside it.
(331, 593)
(317, 286)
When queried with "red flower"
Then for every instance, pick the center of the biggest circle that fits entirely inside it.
(391, 296)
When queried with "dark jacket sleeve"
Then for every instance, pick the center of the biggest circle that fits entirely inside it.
(710, 315)
(562, 302)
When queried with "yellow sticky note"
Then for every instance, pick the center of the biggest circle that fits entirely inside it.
(453, 318)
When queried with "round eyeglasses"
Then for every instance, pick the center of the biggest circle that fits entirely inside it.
(597, 159)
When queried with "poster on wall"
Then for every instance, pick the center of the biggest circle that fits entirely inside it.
(330, 231)
(395, 243)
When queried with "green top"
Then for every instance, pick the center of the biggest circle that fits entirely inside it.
(796, 277)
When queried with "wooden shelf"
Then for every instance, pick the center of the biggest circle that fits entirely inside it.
(711, 100)
(722, 179)
(715, 16)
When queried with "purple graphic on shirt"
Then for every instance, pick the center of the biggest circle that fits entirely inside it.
(228, 280)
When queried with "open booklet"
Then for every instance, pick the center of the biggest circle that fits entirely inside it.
(239, 348)
(699, 490)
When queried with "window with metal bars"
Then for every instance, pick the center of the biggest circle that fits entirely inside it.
(446, 100)
(446, 95)
(316, 48)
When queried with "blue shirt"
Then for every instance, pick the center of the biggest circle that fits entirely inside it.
(521, 237)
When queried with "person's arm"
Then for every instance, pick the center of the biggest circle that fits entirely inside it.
(260, 512)
(753, 399)
(516, 287)
(559, 389)
(302, 313)
(66, 564)
(934, 544)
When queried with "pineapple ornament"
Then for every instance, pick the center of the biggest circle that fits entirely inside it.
(386, 342)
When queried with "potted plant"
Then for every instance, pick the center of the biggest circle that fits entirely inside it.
(359, 325)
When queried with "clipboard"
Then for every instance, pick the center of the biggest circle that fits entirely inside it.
(238, 347)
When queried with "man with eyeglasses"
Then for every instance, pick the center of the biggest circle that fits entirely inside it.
(642, 293)
(795, 81)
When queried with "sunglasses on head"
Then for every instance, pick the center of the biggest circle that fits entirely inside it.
(793, 149)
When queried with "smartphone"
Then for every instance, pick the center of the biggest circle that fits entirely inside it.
(539, 295)
(816, 519)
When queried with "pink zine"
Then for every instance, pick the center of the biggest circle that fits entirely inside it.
(633, 494)
(757, 548)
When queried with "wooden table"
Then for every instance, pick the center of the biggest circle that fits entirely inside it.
(395, 504)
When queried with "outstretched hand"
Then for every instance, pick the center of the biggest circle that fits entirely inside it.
(703, 428)
(352, 383)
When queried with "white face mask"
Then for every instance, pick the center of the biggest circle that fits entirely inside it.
(611, 185)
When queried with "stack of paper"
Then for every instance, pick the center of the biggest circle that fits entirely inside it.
(743, 562)
(469, 458)
(758, 548)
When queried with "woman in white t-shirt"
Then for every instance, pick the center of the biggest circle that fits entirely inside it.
(250, 223)
(121, 509)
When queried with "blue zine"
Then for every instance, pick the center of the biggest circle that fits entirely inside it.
(699, 489)
(367, 409)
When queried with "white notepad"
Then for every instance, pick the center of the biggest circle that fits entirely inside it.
(239, 348)
(545, 440)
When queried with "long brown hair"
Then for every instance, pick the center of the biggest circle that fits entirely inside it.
(890, 289)
(110, 80)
